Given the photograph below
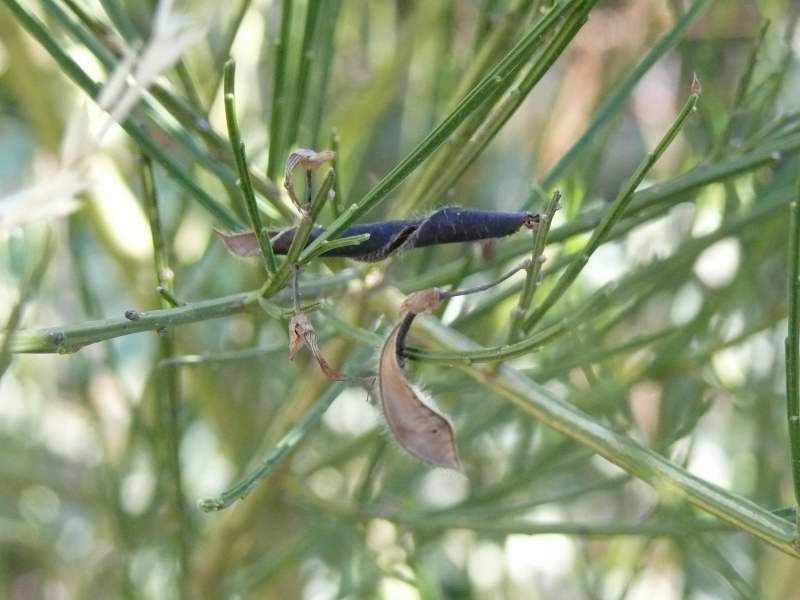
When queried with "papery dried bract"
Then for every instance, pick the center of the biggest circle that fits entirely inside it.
(299, 328)
(243, 243)
(302, 333)
(309, 160)
(420, 429)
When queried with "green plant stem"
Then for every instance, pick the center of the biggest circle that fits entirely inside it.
(444, 166)
(168, 392)
(28, 289)
(487, 127)
(741, 91)
(277, 455)
(338, 198)
(237, 145)
(120, 19)
(153, 149)
(299, 100)
(793, 344)
(535, 267)
(612, 216)
(503, 527)
(277, 124)
(72, 338)
(301, 235)
(326, 43)
(615, 101)
(350, 240)
(228, 38)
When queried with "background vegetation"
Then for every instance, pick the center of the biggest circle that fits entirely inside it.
(632, 444)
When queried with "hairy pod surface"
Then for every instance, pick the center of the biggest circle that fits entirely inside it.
(420, 429)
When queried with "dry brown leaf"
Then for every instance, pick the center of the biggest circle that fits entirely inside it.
(420, 429)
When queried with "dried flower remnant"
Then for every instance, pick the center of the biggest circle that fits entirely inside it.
(422, 301)
(308, 160)
(302, 333)
(419, 428)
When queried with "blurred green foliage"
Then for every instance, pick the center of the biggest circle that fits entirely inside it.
(670, 338)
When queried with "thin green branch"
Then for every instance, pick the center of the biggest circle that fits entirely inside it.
(793, 344)
(496, 78)
(504, 527)
(28, 289)
(612, 216)
(300, 98)
(277, 455)
(535, 267)
(741, 90)
(72, 338)
(246, 186)
(280, 95)
(301, 235)
(326, 44)
(616, 100)
(168, 387)
(225, 46)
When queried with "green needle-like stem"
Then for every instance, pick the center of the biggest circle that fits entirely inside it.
(301, 235)
(793, 345)
(535, 267)
(278, 454)
(246, 186)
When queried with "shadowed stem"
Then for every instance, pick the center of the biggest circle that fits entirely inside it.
(793, 344)
(168, 391)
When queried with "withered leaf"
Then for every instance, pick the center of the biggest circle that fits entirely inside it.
(420, 429)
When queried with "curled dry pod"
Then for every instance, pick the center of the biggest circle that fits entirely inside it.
(419, 428)
(308, 160)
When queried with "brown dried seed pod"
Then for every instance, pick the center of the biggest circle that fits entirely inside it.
(420, 429)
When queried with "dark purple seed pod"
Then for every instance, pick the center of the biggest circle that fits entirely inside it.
(446, 226)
